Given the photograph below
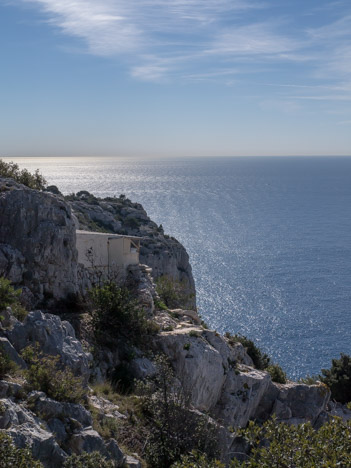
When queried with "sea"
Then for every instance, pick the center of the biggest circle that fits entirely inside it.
(269, 240)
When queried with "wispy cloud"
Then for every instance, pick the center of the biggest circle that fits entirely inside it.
(207, 39)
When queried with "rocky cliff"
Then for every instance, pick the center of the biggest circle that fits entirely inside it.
(37, 253)
(37, 241)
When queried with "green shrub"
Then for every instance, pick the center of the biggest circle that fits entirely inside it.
(88, 460)
(310, 379)
(297, 446)
(6, 365)
(175, 429)
(261, 360)
(173, 293)
(8, 295)
(12, 170)
(18, 311)
(132, 223)
(160, 305)
(11, 456)
(197, 460)
(277, 374)
(338, 378)
(115, 312)
(45, 373)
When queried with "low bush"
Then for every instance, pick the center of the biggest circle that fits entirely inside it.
(338, 378)
(6, 365)
(46, 373)
(115, 312)
(297, 446)
(11, 456)
(88, 460)
(8, 295)
(173, 293)
(197, 460)
(261, 360)
(12, 170)
(277, 374)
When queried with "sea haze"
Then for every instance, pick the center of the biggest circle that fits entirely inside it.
(269, 241)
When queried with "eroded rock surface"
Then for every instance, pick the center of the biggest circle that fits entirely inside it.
(37, 241)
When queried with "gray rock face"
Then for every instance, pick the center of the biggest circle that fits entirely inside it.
(241, 395)
(221, 381)
(197, 365)
(26, 429)
(89, 441)
(54, 336)
(298, 403)
(48, 409)
(37, 241)
(10, 351)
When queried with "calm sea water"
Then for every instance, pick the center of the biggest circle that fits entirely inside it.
(269, 241)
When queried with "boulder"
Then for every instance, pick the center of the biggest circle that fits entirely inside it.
(89, 441)
(297, 403)
(48, 409)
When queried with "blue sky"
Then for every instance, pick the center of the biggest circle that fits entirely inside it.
(175, 77)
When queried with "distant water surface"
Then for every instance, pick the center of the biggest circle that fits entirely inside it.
(269, 241)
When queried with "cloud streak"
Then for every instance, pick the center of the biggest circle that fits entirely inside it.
(162, 39)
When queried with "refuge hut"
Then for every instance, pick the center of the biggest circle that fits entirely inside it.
(109, 253)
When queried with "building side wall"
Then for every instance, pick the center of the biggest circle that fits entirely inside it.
(92, 250)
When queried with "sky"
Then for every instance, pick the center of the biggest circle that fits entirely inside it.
(175, 77)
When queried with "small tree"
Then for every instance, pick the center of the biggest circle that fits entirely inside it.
(47, 374)
(338, 378)
(115, 311)
(173, 293)
(8, 295)
(175, 429)
(12, 170)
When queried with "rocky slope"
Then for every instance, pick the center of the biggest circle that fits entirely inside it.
(37, 252)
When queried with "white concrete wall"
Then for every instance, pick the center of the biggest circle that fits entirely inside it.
(99, 250)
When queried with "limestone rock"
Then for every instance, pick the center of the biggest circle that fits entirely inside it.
(26, 429)
(89, 441)
(37, 239)
(298, 403)
(47, 409)
(54, 337)
(241, 396)
(132, 462)
(196, 363)
(10, 351)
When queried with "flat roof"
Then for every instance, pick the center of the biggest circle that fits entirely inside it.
(107, 234)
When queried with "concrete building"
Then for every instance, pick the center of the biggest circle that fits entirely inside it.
(112, 253)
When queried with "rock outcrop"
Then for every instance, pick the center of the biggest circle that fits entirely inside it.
(222, 382)
(53, 336)
(37, 241)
